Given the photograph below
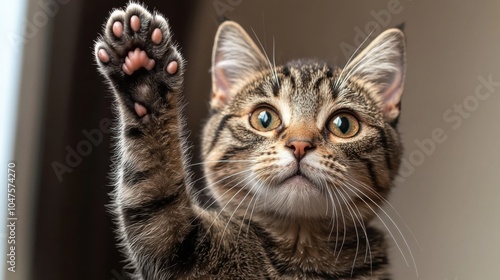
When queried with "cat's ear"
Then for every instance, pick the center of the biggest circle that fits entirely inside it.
(235, 58)
(382, 65)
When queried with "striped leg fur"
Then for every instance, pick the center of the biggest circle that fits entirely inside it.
(145, 72)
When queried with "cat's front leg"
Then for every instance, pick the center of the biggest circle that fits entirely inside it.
(145, 71)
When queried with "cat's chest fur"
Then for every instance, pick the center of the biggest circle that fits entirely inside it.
(313, 248)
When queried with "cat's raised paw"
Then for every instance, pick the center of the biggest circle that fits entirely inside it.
(136, 39)
(136, 50)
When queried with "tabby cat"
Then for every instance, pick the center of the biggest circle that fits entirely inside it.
(297, 157)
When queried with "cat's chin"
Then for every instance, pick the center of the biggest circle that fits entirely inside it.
(298, 182)
(296, 197)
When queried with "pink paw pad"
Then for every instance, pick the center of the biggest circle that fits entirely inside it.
(135, 60)
(103, 55)
(118, 29)
(156, 36)
(135, 23)
(140, 110)
(172, 67)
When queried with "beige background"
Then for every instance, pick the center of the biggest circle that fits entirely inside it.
(451, 202)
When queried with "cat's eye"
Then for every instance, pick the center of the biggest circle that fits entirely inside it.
(265, 119)
(343, 125)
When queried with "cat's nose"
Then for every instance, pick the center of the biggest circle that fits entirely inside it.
(300, 147)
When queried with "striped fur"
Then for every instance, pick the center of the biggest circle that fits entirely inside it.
(276, 215)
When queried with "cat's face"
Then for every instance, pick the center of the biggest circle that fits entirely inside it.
(303, 139)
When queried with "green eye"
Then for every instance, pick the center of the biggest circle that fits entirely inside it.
(343, 125)
(264, 119)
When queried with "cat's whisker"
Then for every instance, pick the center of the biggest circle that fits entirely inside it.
(331, 188)
(365, 59)
(274, 64)
(383, 199)
(334, 220)
(350, 58)
(203, 177)
(214, 219)
(204, 206)
(251, 213)
(247, 208)
(361, 223)
(256, 196)
(349, 209)
(210, 174)
(273, 70)
(224, 207)
(236, 209)
(324, 188)
(334, 216)
(223, 161)
(353, 189)
(386, 202)
(344, 226)
(363, 226)
(223, 179)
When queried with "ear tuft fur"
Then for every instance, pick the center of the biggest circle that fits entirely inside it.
(382, 65)
(235, 59)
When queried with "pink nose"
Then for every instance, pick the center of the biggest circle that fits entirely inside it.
(299, 148)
